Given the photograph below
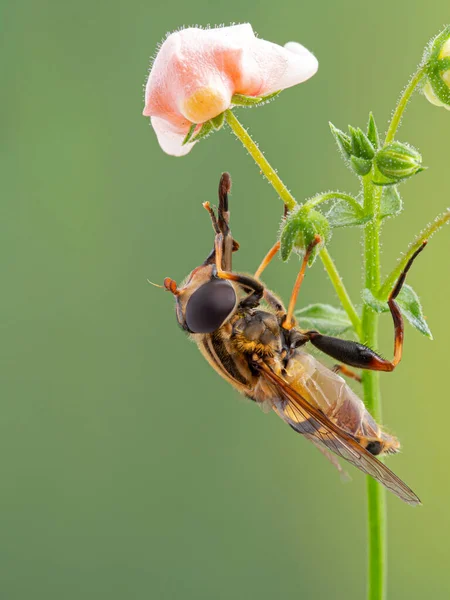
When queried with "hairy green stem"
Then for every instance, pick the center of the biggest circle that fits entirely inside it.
(404, 99)
(431, 229)
(342, 293)
(242, 134)
(371, 386)
(376, 494)
(319, 198)
(259, 158)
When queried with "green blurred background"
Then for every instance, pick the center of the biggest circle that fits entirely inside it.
(128, 468)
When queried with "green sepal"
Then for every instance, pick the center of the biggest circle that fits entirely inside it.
(189, 134)
(343, 214)
(372, 132)
(242, 100)
(361, 166)
(391, 203)
(409, 304)
(343, 141)
(205, 130)
(434, 47)
(440, 87)
(217, 122)
(299, 230)
(435, 66)
(325, 318)
(361, 145)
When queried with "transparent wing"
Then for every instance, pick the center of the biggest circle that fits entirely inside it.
(311, 422)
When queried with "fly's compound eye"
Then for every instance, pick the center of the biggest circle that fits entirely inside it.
(209, 306)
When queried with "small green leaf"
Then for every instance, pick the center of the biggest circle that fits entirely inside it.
(326, 319)
(409, 304)
(377, 305)
(217, 122)
(411, 308)
(391, 203)
(343, 214)
(372, 132)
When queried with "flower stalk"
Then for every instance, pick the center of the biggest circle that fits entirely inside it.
(404, 99)
(273, 178)
(376, 494)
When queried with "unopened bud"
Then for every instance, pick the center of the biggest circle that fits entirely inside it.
(437, 84)
(300, 230)
(397, 161)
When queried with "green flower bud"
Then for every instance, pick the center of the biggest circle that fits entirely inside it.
(357, 148)
(361, 146)
(299, 231)
(398, 161)
(437, 58)
(343, 141)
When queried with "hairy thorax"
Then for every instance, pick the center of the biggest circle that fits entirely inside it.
(257, 332)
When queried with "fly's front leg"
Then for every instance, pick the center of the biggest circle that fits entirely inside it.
(249, 283)
(360, 356)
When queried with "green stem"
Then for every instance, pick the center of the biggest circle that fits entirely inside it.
(273, 178)
(333, 196)
(404, 99)
(259, 158)
(341, 292)
(390, 280)
(371, 386)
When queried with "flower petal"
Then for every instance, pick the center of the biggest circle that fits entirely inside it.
(280, 67)
(170, 137)
(197, 71)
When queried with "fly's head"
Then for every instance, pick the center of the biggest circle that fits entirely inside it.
(205, 302)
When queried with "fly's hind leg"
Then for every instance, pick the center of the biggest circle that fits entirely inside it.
(360, 356)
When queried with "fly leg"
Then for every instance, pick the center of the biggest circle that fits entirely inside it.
(360, 356)
(347, 372)
(245, 281)
(221, 225)
(289, 321)
(267, 259)
(271, 254)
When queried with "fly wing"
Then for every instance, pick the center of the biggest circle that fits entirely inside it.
(310, 421)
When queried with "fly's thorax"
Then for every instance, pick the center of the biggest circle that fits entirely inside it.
(257, 332)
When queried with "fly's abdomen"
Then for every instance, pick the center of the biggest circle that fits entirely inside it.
(328, 391)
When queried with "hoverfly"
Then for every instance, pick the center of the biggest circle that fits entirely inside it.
(246, 334)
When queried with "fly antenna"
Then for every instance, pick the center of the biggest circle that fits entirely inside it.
(155, 284)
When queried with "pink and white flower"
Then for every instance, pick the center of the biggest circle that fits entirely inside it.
(197, 72)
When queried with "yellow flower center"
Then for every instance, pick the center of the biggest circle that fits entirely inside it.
(204, 104)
